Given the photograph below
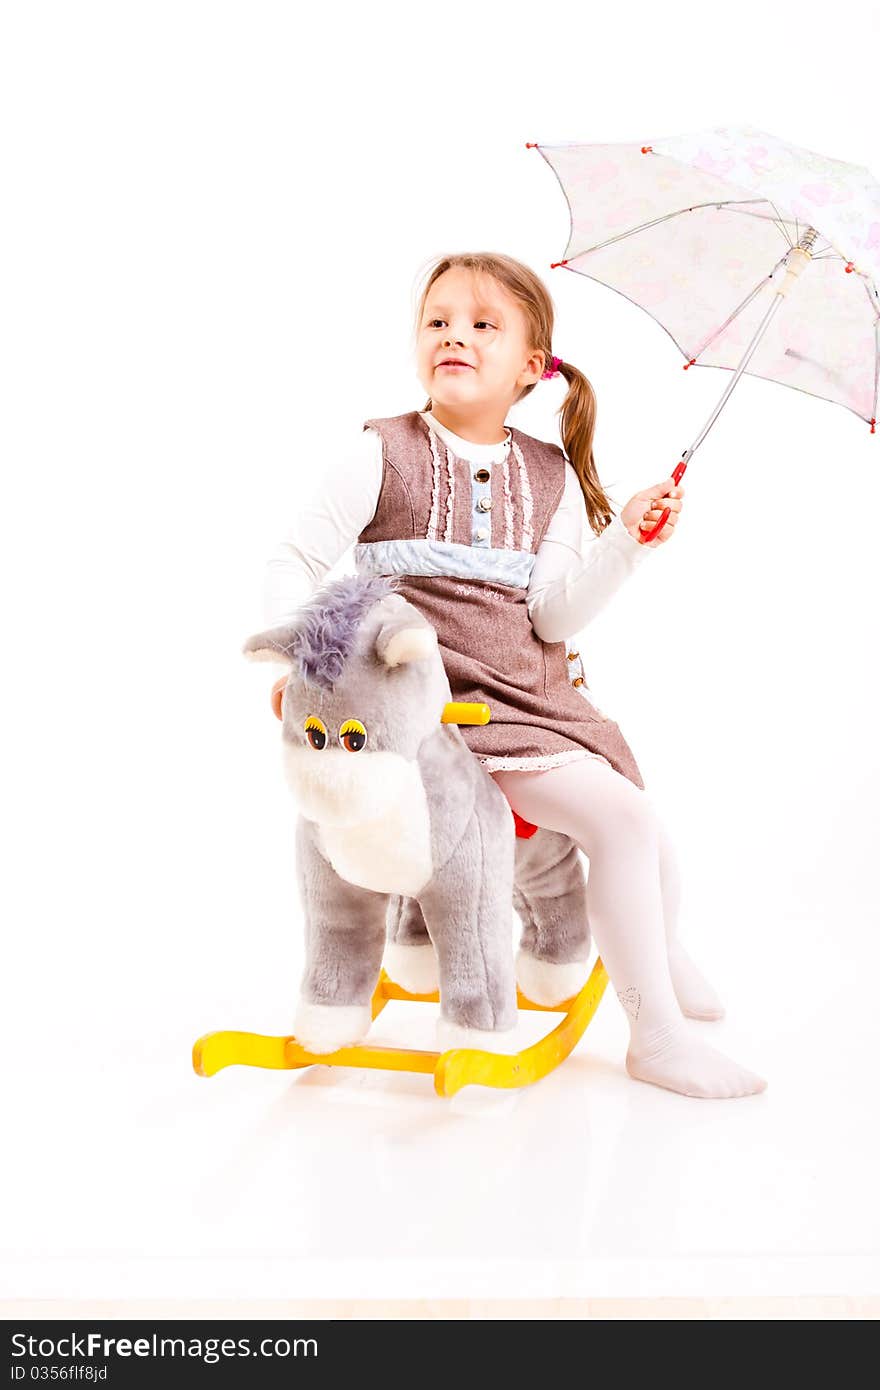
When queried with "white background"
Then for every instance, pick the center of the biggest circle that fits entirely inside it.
(215, 218)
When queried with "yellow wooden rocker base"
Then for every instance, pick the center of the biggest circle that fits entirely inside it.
(451, 1070)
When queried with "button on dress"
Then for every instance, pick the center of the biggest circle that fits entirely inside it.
(461, 542)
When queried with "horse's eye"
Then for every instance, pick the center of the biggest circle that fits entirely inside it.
(316, 732)
(352, 735)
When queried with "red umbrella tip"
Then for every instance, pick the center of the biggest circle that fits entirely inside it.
(647, 149)
(873, 423)
(689, 364)
(531, 146)
(554, 264)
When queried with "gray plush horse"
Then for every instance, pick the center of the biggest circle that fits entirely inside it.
(399, 822)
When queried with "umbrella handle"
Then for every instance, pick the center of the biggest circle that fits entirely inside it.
(677, 476)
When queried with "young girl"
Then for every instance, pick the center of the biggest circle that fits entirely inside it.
(486, 529)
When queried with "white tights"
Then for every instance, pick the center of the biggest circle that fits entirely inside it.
(633, 895)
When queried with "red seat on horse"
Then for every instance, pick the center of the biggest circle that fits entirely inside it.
(524, 829)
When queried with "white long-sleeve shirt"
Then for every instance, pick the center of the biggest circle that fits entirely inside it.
(574, 575)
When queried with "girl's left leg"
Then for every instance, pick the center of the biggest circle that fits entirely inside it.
(696, 997)
(614, 823)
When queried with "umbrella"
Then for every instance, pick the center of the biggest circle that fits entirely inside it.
(710, 232)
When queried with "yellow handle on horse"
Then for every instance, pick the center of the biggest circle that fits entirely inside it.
(464, 712)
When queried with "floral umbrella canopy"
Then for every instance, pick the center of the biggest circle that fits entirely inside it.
(709, 233)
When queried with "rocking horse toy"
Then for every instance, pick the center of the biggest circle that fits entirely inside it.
(404, 850)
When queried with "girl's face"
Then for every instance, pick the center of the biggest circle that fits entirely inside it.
(474, 318)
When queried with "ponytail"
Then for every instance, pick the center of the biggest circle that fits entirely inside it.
(577, 426)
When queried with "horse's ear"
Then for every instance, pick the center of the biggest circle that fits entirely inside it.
(274, 645)
(405, 637)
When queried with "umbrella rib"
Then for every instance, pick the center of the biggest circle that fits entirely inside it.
(655, 221)
(771, 310)
(739, 308)
(730, 207)
(781, 222)
(781, 225)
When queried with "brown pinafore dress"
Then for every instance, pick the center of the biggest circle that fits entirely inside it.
(460, 538)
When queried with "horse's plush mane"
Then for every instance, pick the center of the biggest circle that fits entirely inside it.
(328, 625)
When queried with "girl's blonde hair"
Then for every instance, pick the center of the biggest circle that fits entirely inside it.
(578, 410)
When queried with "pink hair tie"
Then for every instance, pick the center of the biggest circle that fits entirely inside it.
(555, 364)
